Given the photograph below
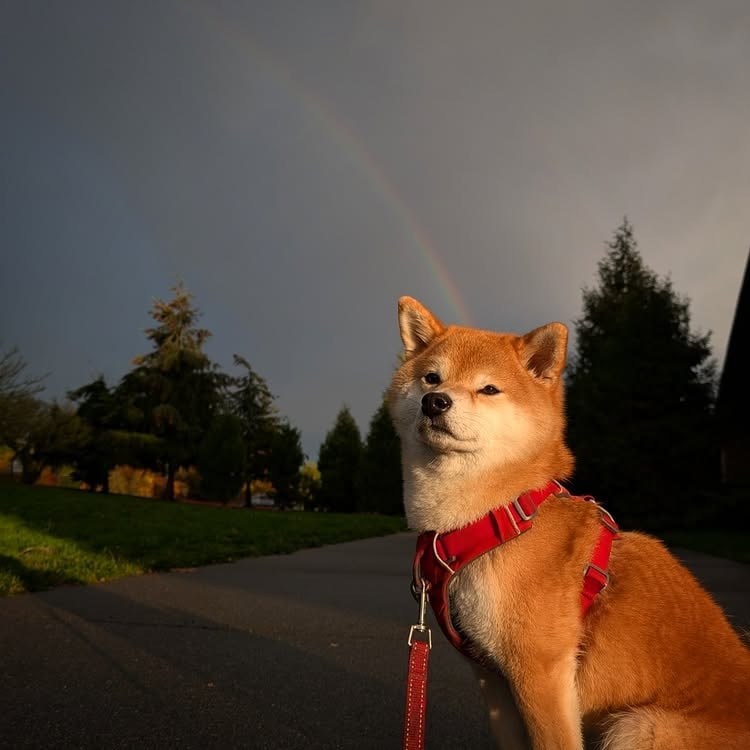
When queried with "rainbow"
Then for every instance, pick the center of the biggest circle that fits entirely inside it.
(321, 114)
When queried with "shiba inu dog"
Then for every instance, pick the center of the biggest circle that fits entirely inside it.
(653, 664)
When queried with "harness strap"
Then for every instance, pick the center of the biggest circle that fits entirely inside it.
(456, 548)
(595, 575)
(440, 556)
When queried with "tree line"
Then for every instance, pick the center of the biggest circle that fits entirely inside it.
(640, 384)
(176, 409)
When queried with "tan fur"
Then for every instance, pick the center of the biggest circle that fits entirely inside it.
(654, 665)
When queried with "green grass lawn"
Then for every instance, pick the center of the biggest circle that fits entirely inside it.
(51, 537)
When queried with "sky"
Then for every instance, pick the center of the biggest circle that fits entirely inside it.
(301, 165)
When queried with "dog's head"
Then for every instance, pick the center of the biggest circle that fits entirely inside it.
(476, 399)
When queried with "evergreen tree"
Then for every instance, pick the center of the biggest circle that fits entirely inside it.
(640, 392)
(96, 406)
(338, 463)
(221, 459)
(175, 387)
(380, 478)
(253, 403)
(285, 460)
(112, 437)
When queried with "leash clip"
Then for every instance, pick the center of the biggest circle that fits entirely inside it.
(420, 627)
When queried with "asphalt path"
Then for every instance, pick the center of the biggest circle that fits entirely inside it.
(300, 651)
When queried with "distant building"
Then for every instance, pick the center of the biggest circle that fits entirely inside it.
(262, 501)
(733, 403)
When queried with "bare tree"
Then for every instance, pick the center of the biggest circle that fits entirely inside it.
(18, 403)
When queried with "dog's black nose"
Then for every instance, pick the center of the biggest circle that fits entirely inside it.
(435, 403)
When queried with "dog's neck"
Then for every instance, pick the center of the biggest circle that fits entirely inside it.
(443, 492)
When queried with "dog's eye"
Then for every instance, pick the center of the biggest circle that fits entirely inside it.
(432, 378)
(490, 390)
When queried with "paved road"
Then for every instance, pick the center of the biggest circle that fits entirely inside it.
(303, 651)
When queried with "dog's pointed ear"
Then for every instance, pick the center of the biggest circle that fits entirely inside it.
(417, 324)
(543, 351)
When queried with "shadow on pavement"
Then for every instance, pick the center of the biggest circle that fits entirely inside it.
(181, 660)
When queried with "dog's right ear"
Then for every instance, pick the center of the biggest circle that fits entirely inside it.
(543, 351)
(417, 324)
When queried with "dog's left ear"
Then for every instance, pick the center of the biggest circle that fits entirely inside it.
(417, 324)
(543, 351)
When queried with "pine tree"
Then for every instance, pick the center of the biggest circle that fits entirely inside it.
(285, 460)
(380, 479)
(221, 459)
(338, 462)
(175, 386)
(252, 402)
(97, 407)
(640, 392)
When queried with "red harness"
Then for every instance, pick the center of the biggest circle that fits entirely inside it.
(440, 556)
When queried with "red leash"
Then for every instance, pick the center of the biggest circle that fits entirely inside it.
(415, 709)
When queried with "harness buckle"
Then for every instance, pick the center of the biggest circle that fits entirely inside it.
(608, 521)
(523, 515)
(605, 517)
(590, 566)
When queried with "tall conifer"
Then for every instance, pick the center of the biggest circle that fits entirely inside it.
(640, 391)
